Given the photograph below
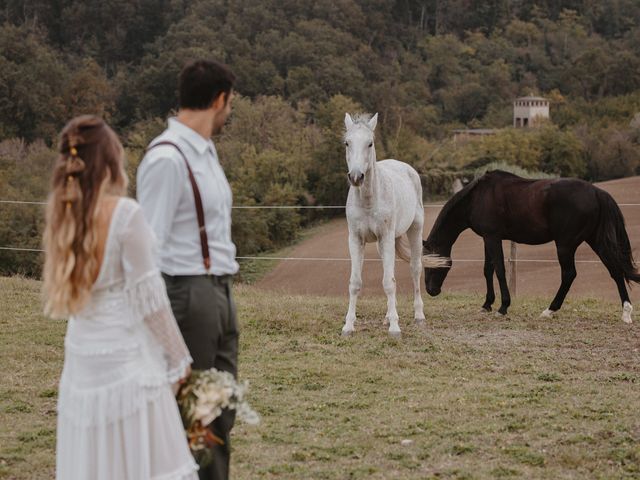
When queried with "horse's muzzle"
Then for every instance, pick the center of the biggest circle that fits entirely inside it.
(356, 179)
(434, 292)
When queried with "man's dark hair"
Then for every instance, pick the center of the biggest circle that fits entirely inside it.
(201, 82)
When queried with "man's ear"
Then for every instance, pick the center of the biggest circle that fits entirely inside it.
(220, 101)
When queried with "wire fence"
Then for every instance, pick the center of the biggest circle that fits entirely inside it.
(343, 259)
(310, 259)
(287, 207)
(241, 207)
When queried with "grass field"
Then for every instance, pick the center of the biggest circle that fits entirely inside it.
(472, 396)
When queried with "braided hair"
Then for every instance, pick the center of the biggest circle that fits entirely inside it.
(90, 164)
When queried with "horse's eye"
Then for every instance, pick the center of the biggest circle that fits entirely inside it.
(346, 144)
(371, 145)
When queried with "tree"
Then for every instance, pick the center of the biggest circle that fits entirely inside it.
(24, 175)
(561, 152)
(33, 80)
(267, 151)
(328, 174)
(89, 91)
(611, 154)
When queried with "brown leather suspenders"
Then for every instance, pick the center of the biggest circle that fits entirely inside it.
(204, 242)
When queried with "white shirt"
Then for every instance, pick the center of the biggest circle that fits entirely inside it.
(167, 201)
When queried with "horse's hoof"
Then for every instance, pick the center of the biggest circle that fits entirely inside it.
(347, 333)
(547, 314)
(484, 309)
(395, 335)
(500, 314)
(421, 323)
(626, 312)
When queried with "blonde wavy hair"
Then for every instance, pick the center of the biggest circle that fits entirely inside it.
(89, 166)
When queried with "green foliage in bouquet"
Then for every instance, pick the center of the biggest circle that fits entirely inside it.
(202, 399)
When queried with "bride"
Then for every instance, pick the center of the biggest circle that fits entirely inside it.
(117, 416)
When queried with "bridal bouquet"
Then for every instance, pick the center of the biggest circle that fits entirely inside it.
(201, 400)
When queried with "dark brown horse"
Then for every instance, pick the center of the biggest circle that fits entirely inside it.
(501, 206)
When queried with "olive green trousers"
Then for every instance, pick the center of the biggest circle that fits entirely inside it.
(206, 314)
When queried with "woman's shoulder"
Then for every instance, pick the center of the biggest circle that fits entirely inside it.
(129, 204)
(127, 209)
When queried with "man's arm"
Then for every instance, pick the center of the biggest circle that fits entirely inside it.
(160, 183)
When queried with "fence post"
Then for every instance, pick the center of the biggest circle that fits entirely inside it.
(513, 269)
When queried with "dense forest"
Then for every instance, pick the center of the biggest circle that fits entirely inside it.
(427, 67)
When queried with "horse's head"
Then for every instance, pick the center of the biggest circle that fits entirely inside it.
(358, 140)
(437, 263)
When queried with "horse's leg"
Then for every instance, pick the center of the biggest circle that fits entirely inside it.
(494, 247)
(618, 277)
(488, 275)
(414, 234)
(387, 249)
(356, 252)
(566, 257)
(627, 308)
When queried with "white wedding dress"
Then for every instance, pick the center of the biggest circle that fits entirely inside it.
(117, 416)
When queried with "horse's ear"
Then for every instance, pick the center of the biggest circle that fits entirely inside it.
(373, 122)
(348, 121)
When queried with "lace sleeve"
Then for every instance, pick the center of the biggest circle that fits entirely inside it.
(146, 294)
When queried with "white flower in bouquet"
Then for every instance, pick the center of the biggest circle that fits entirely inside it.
(206, 413)
(202, 399)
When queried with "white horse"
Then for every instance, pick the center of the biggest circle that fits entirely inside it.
(384, 205)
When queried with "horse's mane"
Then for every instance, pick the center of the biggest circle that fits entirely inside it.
(450, 205)
(361, 118)
(462, 195)
(500, 173)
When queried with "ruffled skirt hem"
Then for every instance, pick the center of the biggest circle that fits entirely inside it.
(148, 444)
(187, 472)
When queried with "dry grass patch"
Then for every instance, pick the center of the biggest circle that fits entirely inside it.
(472, 396)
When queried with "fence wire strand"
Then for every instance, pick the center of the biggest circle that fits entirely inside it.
(308, 259)
(340, 259)
(266, 207)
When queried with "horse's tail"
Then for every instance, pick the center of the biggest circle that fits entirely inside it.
(403, 249)
(612, 239)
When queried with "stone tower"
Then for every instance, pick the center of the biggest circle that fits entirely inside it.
(527, 111)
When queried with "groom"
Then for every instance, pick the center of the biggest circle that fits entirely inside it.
(187, 200)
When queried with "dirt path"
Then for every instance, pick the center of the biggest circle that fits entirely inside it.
(332, 277)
